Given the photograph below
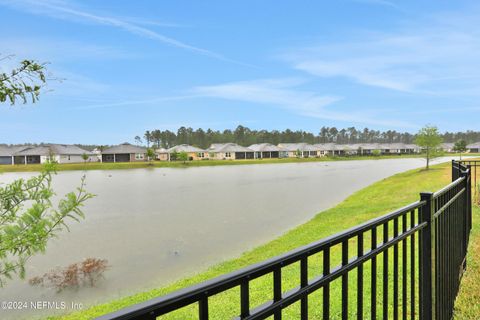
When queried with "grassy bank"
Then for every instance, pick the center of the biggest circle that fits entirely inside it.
(366, 204)
(467, 306)
(178, 164)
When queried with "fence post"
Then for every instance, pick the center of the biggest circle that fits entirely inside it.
(468, 186)
(466, 212)
(453, 170)
(427, 259)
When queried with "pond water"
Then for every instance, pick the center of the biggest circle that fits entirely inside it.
(159, 224)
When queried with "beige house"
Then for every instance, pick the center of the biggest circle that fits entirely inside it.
(194, 153)
(162, 154)
(267, 150)
(301, 150)
(230, 151)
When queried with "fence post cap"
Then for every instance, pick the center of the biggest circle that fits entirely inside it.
(426, 194)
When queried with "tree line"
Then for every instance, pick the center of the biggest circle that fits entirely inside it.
(245, 136)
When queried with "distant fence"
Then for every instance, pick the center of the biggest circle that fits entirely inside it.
(472, 165)
(410, 260)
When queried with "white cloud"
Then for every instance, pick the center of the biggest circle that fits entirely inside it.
(378, 2)
(130, 103)
(284, 94)
(54, 50)
(438, 55)
(64, 10)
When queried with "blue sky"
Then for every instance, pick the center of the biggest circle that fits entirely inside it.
(129, 66)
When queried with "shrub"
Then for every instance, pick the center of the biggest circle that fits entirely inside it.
(88, 272)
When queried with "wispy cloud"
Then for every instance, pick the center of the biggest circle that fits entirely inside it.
(138, 102)
(55, 50)
(284, 93)
(151, 22)
(379, 3)
(65, 10)
(432, 56)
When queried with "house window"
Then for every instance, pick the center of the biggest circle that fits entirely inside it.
(228, 154)
(139, 156)
(201, 155)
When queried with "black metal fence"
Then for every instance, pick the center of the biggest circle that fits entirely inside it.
(475, 173)
(406, 264)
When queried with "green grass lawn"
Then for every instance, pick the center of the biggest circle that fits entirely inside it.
(467, 306)
(371, 202)
(179, 164)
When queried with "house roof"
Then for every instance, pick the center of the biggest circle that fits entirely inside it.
(475, 145)
(185, 148)
(57, 149)
(228, 147)
(364, 146)
(447, 145)
(8, 151)
(125, 148)
(397, 145)
(264, 147)
(161, 150)
(325, 146)
(297, 146)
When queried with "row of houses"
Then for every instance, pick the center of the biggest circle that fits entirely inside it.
(60, 153)
(126, 152)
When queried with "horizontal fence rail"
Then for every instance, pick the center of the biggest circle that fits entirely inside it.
(406, 264)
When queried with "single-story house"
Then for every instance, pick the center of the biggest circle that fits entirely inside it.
(413, 148)
(60, 153)
(365, 148)
(388, 148)
(348, 149)
(230, 151)
(194, 153)
(267, 150)
(7, 153)
(162, 154)
(474, 147)
(393, 148)
(303, 150)
(447, 146)
(6, 156)
(325, 149)
(124, 152)
(369, 148)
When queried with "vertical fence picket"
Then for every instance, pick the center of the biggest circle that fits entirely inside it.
(373, 290)
(360, 278)
(412, 266)
(345, 280)
(303, 284)
(244, 299)
(277, 291)
(395, 271)
(203, 308)
(404, 268)
(426, 283)
(326, 287)
(385, 273)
